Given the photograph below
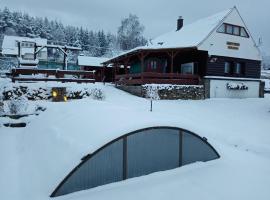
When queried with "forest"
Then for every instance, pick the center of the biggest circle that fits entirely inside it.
(93, 42)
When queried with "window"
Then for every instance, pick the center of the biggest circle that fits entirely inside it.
(153, 64)
(234, 68)
(229, 29)
(227, 68)
(222, 28)
(244, 32)
(187, 68)
(236, 30)
(135, 154)
(239, 68)
(233, 30)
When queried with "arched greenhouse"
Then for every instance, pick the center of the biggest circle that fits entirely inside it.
(136, 154)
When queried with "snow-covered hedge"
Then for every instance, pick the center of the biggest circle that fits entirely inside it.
(236, 86)
(152, 92)
(42, 91)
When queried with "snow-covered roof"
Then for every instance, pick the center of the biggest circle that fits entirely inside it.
(38, 41)
(189, 36)
(91, 61)
(9, 46)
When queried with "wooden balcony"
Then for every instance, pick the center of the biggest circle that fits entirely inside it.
(156, 78)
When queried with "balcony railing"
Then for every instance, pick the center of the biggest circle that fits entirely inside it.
(157, 78)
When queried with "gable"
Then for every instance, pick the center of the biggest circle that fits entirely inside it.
(221, 44)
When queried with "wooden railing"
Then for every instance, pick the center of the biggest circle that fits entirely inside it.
(157, 78)
(57, 75)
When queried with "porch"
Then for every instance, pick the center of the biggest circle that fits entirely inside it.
(160, 66)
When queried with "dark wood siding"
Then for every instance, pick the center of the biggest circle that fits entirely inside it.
(101, 74)
(215, 67)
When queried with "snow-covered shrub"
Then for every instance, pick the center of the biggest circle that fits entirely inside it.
(97, 94)
(152, 92)
(78, 93)
(18, 106)
(236, 86)
(17, 92)
(39, 108)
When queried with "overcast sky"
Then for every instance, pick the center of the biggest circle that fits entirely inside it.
(158, 16)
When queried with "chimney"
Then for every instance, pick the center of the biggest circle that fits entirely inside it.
(180, 23)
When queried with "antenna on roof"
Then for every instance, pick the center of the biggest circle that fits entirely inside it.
(260, 42)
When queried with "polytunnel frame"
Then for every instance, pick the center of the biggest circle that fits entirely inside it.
(124, 137)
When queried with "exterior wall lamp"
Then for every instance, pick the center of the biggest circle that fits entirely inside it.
(59, 94)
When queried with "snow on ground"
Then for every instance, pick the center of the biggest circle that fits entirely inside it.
(35, 159)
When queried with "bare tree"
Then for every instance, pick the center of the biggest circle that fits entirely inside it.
(130, 33)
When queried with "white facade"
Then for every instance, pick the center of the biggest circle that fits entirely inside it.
(219, 88)
(10, 47)
(216, 43)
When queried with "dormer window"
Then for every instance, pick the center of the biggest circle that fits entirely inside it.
(233, 30)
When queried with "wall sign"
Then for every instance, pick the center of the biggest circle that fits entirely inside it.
(233, 45)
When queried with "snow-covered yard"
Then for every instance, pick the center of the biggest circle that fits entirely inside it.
(35, 159)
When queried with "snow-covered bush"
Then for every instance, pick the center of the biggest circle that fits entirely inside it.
(152, 92)
(236, 86)
(39, 108)
(17, 106)
(94, 93)
(17, 92)
(97, 94)
(78, 93)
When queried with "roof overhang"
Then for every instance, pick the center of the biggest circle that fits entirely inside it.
(146, 50)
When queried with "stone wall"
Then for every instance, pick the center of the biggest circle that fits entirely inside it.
(173, 92)
(164, 91)
(135, 90)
